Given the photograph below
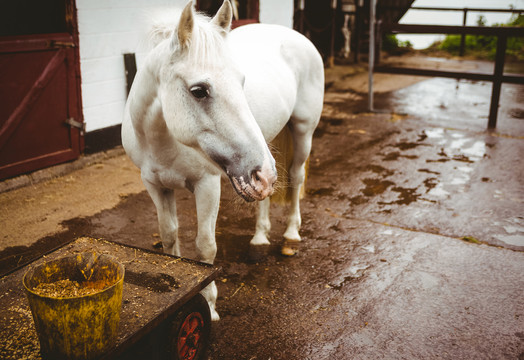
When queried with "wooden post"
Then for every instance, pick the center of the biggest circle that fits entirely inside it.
(301, 7)
(371, 57)
(331, 59)
(378, 41)
(130, 68)
(463, 36)
(358, 32)
(497, 81)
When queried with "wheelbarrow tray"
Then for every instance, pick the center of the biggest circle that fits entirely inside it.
(155, 287)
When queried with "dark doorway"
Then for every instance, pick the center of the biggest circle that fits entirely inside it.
(245, 12)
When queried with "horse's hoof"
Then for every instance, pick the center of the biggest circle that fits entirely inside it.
(258, 253)
(214, 315)
(290, 248)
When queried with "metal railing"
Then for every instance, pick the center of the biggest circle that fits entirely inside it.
(497, 77)
(465, 17)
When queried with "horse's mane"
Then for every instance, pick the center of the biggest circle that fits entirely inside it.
(207, 39)
(162, 24)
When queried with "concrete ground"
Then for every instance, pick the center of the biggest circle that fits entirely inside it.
(413, 229)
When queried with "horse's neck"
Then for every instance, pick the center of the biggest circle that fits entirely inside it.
(145, 107)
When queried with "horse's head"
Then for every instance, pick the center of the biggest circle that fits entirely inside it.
(204, 105)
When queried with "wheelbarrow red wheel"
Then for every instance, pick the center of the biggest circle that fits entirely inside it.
(190, 330)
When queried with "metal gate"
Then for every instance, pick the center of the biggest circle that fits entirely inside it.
(40, 105)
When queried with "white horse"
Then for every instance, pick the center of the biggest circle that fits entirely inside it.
(206, 102)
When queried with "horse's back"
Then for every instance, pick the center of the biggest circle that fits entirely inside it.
(284, 74)
(259, 46)
(264, 39)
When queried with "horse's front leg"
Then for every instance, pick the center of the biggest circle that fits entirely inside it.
(165, 203)
(207, 197)
(263, 225)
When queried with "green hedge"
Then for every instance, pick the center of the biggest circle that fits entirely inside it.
(485, 46)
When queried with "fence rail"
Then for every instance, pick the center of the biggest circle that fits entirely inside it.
(497, 77)
(450, 29)
(466, 9)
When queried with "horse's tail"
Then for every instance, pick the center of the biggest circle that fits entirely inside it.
(282, 150)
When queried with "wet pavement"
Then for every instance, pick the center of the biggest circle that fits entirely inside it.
(413, 229)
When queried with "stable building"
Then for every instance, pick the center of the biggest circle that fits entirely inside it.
(63, 75)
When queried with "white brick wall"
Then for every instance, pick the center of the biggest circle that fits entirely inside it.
(110, 28)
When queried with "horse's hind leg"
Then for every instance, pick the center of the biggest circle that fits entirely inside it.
(164, 200)
(297, 175)
(302, 134)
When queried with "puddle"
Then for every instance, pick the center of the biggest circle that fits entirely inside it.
(444, 99)
(406, 145)
(463, 177)
(462, 158)
(514, 232)
(429, 171)
(436, 133)
(395, 155)
(438, 191)
(430, 183)
(510, 229)
(406, 196)
(472, 153)
(358, 200)
(465, 169)
(459, 180)
(375, 186)
(354, 270)
(377, 169)
(458, 144)
(392, 156)
(476, 151)
(517, 240)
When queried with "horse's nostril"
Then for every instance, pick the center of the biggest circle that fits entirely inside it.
(258, 177)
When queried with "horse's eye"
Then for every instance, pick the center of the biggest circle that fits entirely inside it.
(199, 91)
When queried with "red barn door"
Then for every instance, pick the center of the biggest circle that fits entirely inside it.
(40, 105)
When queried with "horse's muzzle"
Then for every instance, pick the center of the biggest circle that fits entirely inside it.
(259, 187)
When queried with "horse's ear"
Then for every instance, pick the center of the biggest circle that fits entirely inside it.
(185, 25)
(224, 16)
